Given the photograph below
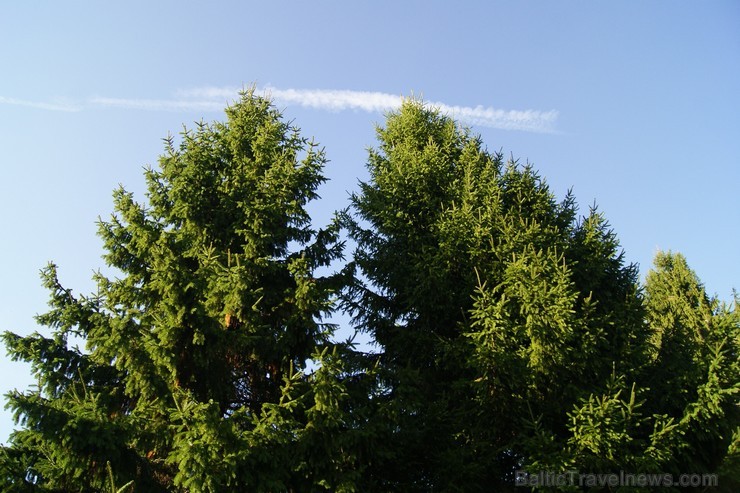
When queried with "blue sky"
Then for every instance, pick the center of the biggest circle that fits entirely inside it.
(632, 104)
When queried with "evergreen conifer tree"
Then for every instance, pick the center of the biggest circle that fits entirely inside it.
(194, 375)
(513, 334)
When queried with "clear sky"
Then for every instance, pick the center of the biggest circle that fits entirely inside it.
(633, 104)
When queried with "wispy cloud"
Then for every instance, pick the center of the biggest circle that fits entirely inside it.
(42, 105)
(213, 99)
(157, 104)
(324, 99)
(377, 102)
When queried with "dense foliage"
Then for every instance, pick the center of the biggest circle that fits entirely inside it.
(511, 334)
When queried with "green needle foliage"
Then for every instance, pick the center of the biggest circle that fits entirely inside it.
(194, 377)
(511, 334)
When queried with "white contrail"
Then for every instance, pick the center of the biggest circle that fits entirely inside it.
(40, 104)
(156, 104)
(325, 99)
(212, 99)
(337, 100)
(378, 102)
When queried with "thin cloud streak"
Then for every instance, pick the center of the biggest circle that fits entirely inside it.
(337, 100)
(213, 99)
(156, 104)
(526, 120)
(378, 102)
(67, 107)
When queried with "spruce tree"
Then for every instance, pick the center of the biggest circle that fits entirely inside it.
(694, 375)
(194, 376)
(513, 334)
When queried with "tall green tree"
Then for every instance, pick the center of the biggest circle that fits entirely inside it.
(489, 300)
(679, 414)
(513, 334)
(194, 375)
(694, 374)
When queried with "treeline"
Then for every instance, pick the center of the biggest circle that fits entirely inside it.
(512, 335)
